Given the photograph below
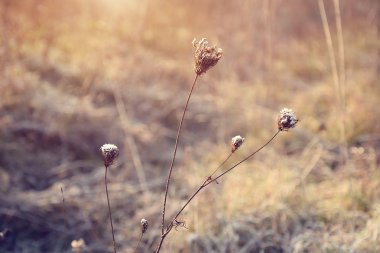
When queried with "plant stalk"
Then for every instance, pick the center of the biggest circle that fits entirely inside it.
(109, 210)
(138, 244)
(174, 156)
(208, 181)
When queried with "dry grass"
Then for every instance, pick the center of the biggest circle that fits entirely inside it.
(85, 73)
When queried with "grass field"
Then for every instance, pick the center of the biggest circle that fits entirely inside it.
(77, 74)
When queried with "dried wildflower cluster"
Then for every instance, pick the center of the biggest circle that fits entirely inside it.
(205, 58)
(236, 142)
(109, 152)
(286, 120)
(205, 55)
(144, 225)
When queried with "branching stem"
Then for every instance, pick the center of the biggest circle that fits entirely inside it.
(220, 166)
(245, 159)
(208, 181)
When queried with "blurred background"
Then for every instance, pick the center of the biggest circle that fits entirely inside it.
(77, 74)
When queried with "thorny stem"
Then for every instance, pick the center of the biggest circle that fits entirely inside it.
(174, 156)
(109, 210)
(208, 181)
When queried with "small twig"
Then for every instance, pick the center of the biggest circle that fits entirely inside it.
(63, 197)
(220, 166)
(209, 181)
(174, 155)
(177, 224)
(138, 244)
(245, 159)
(163, 233)
(109, 209)
(63, 202)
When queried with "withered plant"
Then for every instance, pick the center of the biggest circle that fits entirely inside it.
(205, 57)
(109, 152)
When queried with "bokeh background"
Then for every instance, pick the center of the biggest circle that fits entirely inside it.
(77, 74)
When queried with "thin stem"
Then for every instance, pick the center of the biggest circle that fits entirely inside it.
(63, 197)
(138, 244)
(63, 202)
(210, 180)
(342, 74)
(329, 43)
(109, 210)
(174, 155)
(190, 199)
(245, 159)
(161, 241)
(206, 183)
(337, 79)
(339, 31)
(202, 186)
(225, 160)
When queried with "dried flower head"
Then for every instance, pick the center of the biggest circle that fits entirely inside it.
(78, 246)
(286, 120)
(109, 152)
(4, 234)
(236, 142)
(205, 56)
(144, 225)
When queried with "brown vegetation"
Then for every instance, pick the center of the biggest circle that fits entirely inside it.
(77, 74)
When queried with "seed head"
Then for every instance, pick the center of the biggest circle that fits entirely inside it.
(205, 56)
(109, 152)
(144, 225)
(286, 120)
(78, 245)
(236, 142)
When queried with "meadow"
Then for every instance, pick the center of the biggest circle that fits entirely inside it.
(75, 75)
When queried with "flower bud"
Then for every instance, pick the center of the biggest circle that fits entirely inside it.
(286, 120)
(109, 152)
(236, 142)
(144, 225)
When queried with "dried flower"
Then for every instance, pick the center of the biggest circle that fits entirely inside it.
(205, 56)
(4, 234)
(144, 225)
(109, 152)
(78, 246)
(286, 120)
(236, 142)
